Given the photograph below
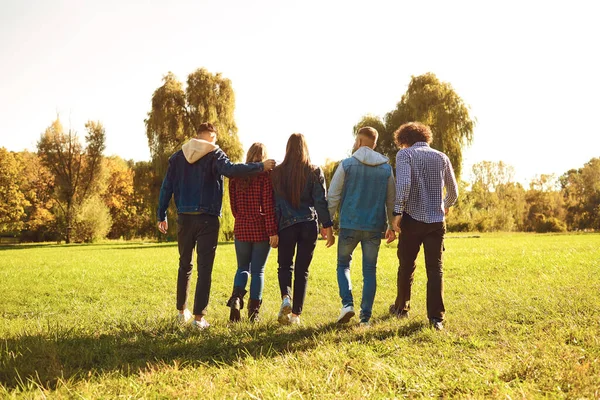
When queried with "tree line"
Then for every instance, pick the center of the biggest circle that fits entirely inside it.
(70, 191)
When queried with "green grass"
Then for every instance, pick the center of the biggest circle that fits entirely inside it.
(97, 321)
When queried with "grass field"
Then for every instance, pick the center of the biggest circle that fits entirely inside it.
(98, 321)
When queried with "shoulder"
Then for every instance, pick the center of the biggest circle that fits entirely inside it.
(403, 154)
(176, 155)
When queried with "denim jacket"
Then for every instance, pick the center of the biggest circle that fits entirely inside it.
(313, 203)
(195, 178)
(363, 187)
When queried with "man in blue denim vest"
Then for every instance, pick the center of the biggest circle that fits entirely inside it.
(364, 188)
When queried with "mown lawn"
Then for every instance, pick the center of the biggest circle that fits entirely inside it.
(98, 321)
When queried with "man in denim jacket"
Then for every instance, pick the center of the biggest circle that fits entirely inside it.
(195, 178)
(364, 188)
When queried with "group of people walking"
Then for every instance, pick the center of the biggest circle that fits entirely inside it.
(282, 206)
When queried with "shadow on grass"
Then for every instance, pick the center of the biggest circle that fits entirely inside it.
(67, 356)
(97, 246)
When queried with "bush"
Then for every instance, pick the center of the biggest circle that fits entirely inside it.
(92, 221)
(551, 224)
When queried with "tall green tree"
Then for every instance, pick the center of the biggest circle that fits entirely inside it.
(436, 104)
(75, 168)
(177, 112)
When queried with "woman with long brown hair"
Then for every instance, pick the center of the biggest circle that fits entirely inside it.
(255, 229)
(300, 204)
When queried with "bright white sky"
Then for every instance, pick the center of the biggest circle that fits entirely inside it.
(528, 69)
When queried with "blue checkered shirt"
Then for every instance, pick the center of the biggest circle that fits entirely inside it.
(421, 175)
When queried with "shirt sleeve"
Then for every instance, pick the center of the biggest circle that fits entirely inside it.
(334, 195)
(390, 199)
(451, 185)
(232, 196)
(320, 199)
(166, 192)
(225, 167)
(269, 206)
(403, 181)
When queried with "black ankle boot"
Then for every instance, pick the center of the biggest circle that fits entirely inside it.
(236, 303)
(253, 309)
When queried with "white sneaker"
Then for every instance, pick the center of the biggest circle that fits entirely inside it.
(184, 317)
(202, 324)
(285, 311)
(295, 319)
(345, 315)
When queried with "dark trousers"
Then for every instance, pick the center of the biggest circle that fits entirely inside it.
(302, 236)
(413, 233)
(200, 232)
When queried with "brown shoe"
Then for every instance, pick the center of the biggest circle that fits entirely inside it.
(236, 303)
(254, 309)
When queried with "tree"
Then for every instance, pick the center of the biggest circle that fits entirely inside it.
(176, 113)
(581, 192)
(75, 168)
(37, 184)
(436, 104)
(144, 199)
(119, 197)
(12, 199)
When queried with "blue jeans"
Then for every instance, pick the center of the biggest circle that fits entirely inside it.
(369, 241)
(251, 259)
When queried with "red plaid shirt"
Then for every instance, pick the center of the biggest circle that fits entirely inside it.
(253, 208)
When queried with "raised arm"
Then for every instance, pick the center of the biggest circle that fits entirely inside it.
(225, 167)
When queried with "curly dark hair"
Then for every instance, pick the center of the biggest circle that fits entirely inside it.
(411, 133)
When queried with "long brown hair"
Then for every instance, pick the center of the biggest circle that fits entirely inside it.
(290, 176)
(256, 153)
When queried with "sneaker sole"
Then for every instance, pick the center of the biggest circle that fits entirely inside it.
(346, 318)
(283, 319)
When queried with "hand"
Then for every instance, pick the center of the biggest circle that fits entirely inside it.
(396, 223)
(446, 211)
(274, 241)
(268, 165)
(163, 226)
(324, 233)
(329, 236)
(390, 235)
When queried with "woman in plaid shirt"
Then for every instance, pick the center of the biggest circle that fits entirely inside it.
(255, 230)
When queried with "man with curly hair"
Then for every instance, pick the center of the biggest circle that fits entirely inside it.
(422, 174)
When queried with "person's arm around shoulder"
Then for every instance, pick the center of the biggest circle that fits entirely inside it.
(320, 200)
(268, 205)
(226, 168)
(451, 186)
(390, 234)
(334, 194)
(166, 192)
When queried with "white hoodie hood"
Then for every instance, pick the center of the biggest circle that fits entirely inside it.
(195, 149)
(368, 156)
